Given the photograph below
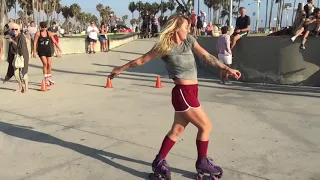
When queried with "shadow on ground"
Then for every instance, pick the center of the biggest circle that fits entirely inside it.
(155, 68)
(27, 133)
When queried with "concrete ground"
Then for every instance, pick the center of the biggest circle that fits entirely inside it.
(79, 130)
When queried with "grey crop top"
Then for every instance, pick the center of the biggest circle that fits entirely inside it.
(180, 62)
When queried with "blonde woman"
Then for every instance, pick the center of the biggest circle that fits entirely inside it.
(175, 47)
(18, 46)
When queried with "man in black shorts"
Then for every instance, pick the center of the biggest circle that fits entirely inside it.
(242, 26)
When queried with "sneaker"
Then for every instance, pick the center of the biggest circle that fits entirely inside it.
(293, 39)
(302, 46)
(227, 82)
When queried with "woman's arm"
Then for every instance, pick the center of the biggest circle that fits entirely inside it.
(135, 63)
(54, 40)
(35, 43)
(208, 58)
(213, 61)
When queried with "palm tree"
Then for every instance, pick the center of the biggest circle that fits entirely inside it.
(164, 7)
(67, 13)
(140, 7)
(265, 24)
(270, 15)
(75, 10)
(132, 7)
(155, 8)
(99, 7)
(133, 22)
(171, 5)
(147, 7)
(124, 18)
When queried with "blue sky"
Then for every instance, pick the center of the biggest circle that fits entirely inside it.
(121, 7)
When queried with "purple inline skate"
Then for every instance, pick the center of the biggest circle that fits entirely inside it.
(160, 167)
(206, 166)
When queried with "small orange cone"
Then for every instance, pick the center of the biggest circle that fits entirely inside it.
(158, 83)
(109, 83)
(43, 85)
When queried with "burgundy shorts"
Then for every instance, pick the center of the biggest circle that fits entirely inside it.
(185, 97)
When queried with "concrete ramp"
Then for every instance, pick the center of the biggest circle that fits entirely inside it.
(274, 60)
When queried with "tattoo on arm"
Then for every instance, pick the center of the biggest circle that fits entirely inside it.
(213, 61)
(133, 64)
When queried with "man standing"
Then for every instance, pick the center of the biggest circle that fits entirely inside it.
(113, 23)
(54, 29)
(242, 26)
(193, 18)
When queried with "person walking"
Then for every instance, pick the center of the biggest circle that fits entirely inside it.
(17, 49)
(224, 53)
(176, 47)
(42, 47)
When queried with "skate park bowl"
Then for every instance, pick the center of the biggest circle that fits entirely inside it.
(271, 60)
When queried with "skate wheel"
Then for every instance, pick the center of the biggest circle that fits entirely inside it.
(220, 170)
(199, 176)
(153, 176)
(214, 178)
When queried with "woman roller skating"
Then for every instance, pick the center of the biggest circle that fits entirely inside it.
(175, 48)
(42, 47)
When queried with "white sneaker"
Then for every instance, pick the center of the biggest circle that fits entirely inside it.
(293, 39)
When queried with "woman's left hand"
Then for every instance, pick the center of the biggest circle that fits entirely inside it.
(234, 73)
(10, 39)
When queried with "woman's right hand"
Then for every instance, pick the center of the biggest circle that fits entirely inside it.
(115, 72)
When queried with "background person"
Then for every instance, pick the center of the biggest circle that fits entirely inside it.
(42, 47)
(224, 53)
(312, 25)
(18, 46)
(103, 37)
(55, 32)
(242, 27)
(92, 31)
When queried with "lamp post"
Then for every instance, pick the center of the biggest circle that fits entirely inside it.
(230, 13)
(258, 15)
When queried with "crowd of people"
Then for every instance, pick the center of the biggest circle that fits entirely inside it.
(42, 40)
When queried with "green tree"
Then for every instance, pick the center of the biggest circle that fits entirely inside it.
(132, 7)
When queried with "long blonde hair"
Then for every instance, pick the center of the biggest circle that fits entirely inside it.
(165, 44)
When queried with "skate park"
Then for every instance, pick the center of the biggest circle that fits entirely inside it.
(81, 130)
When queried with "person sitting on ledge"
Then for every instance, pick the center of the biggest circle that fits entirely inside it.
(298, 25)
(209, 29)
(242, 26)
(313, 26)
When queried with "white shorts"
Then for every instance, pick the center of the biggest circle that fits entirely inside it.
(225, 59)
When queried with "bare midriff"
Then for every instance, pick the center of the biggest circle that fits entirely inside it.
(185, 81)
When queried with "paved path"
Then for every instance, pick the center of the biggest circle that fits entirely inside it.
(81, 131)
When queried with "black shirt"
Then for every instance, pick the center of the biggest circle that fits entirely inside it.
(242, 22)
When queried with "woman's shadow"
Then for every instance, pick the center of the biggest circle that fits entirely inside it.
(27, 133)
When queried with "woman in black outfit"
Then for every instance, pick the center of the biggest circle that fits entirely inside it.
(42, 47)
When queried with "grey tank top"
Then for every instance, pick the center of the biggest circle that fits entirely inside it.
(180, 62)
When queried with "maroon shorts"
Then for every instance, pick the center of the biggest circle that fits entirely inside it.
(185, 97)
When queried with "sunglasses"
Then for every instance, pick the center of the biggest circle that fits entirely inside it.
(14, 29)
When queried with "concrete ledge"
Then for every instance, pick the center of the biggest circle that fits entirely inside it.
(79, 45)
(272, 59)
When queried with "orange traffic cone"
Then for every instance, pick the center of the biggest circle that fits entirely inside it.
(109, 83)
(43, 85)
(158, 83)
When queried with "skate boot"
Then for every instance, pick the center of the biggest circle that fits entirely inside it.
(160, 167)
(206, 166)
(51, 81)
(47, 81)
